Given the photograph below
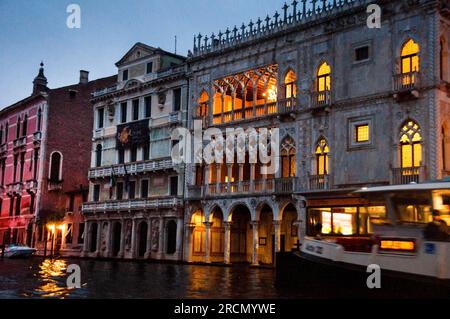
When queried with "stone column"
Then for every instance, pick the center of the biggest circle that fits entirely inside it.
(227, 243)
(252, 177)
(189, 228)
(255, 225)
(161, 238)
(122, 239)
(133, 238)
(207, 241)
(108, 239)
(99, 238)
(277, 225)
(241, 176)
(86, 239)
(148, 252)
(179, 245)
(218, 181)
(229, 173)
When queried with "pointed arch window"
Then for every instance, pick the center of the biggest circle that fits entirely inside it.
(290, 85)
(39, 119)
(25, 125)
(98, 155)
(324, 78)
(322, 151)
(411, 145)
(410, 63)
(18, 127)
(288, 158)
(55, 172)
(202, 110)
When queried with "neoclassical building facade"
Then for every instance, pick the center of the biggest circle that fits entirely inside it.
(135, 208)
(355, 107)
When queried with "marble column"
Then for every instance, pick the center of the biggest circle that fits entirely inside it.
(255, 226)
(133, 238)
(219, 177)
(99, 238)
(148, 252)
(207, 241)
(108, 239)
(189, 228)
(161, 238)
(121, 252)
(86, 239)
(277, 226)
(229, 174)
(179, 244)
(252, 177)
(241, 176)
(227, 243)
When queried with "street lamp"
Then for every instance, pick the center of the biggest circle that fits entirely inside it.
(52, 229)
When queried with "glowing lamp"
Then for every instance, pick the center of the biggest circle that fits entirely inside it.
(398, 245)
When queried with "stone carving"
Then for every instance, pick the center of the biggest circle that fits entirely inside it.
(155, 235)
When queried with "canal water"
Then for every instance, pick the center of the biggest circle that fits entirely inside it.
(44, 278)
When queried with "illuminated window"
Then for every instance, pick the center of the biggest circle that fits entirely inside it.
(362, 133)
(322, 151)
(203, 105)
(410, 57)
(411, 145)
(324, 78)
(288, 157)
(290, 85)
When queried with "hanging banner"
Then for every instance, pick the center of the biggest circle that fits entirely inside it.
(132, 134)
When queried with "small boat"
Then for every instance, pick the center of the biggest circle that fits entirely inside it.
(18, 251)
(404, 243)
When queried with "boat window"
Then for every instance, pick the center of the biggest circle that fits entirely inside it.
(415, 213)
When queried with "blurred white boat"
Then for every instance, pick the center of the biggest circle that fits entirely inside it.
(18, 251)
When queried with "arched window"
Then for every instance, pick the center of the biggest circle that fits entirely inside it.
(6, 132)
(25, 125)
(324, 78)
(288, 158)
(203, 105)
(39, 119)
(1, 134)
(411, 145)
(290, 85)
(322, 151)
(18, 127)
(409, 62)
(98, 155)
(55, 167)
(218, 106)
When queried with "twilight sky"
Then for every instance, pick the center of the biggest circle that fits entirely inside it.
(35, 30)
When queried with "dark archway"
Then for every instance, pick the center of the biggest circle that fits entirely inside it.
(266, 250)
(241, 235)
(289, 232)
(117, 230)
(142, 247)
(171, 237)
(93, 239)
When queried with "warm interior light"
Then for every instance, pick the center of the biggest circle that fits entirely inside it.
(398, 245)
(51, 227)
(272, 94)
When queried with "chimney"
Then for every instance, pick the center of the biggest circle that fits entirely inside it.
(84, 77)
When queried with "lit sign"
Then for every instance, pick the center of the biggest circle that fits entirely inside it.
(398, 245)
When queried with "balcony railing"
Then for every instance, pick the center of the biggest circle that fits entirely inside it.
(286, 106)
(104, 91)
(321, 99)
(37, 137)
(55, 185)
(3, 148)
(406, 81)
(31, 186)
(407, 175)
(14, 188)
(284, 185)
(135, 204)
(318, 182)
(131, 168)
(175, 117)
(20, 142)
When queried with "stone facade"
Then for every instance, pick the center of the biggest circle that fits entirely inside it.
(356, 107)
(136, 192)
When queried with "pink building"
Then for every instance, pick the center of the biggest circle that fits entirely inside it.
(44, 157)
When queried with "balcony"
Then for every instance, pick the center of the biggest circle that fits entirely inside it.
(407, 175)
(104, 91)
(320, 99)
(279, 186)
(247, 113)
(54, 185)
(406, 86)
(14, 189)
(20, 142)
(31, 186)
(131, 168)
(175, 118)
(3, 149)
(37, 137)
(287, 106)
(135, 204)
(318, 182)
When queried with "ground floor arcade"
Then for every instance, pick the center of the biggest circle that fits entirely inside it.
(250, 230)
(139, 235)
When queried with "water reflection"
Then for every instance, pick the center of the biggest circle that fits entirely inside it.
(37, 278)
